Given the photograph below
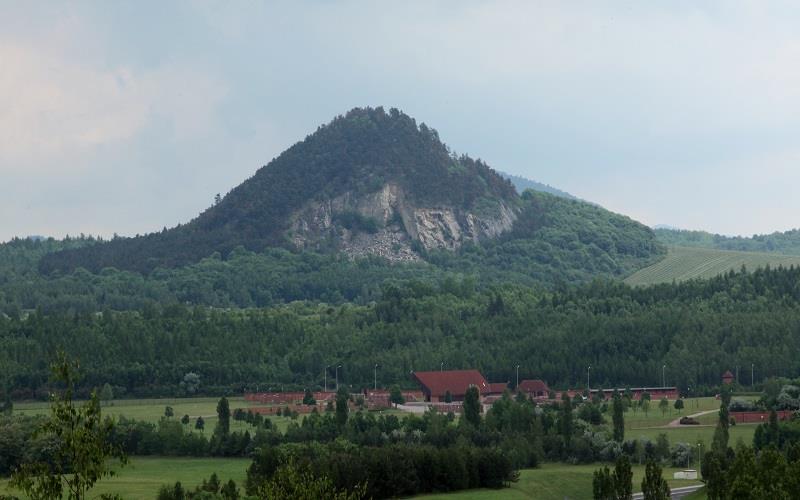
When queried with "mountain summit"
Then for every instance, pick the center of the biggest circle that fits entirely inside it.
(376, 183)
(370, 182)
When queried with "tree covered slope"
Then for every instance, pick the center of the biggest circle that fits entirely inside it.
(787, 243)
(370, 197)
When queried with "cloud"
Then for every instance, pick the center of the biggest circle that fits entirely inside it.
(55, 110)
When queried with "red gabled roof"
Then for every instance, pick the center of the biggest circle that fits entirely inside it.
(455, 381)
(497, 387)
(533, 386)
(727, 374)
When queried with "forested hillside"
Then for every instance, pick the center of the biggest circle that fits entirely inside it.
(698, 330)
(368, 183)
(553, 242)
(787, 242)
(356, 154)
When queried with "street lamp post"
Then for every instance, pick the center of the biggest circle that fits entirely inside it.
(700, 456)
(376, 376)
(337, 377)
(752, 370)
(587, 378)
(663, 376)
(326, 377)
(517, 386)
(441, 366)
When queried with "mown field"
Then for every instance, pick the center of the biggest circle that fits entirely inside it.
(151, 410)
(143, 476)
(554, 482)
(684, 263)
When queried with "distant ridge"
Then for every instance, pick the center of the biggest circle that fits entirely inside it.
(523, 183)
(787, 242)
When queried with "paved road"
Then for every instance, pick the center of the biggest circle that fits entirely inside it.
(676, 492)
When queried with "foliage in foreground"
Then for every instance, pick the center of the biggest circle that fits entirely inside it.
(80, 451)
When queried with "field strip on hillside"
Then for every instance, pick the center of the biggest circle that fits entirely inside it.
(686, 263)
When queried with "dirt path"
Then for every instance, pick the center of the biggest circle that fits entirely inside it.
(677, 421)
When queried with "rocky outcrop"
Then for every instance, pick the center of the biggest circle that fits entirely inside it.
(386, 223)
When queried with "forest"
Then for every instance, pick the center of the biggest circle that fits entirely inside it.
(697, 329)
(787, 242)
(554, 242)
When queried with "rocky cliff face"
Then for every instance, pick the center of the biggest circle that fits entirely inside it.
(387, 223)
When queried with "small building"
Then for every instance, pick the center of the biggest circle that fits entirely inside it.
(727, 377)
(534, 388)
(436, 384)
(496, 389)
(685, 474)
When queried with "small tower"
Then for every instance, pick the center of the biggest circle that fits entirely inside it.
(727, 377)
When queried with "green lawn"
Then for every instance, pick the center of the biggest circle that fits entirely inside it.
(556, 482)
(142, 477)
(654, 417)
(151, 410)
(651, 425)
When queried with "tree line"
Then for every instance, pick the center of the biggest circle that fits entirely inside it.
(697, 329)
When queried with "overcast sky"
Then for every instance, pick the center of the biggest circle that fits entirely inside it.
(128, 117)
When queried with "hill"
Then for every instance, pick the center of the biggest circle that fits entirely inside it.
(367, 183)
(369, 197)
(787, 242)
(523, 183)
(686, 263)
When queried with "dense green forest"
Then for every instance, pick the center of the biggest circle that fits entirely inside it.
(697, 329)
(554, 241)
(787, 242)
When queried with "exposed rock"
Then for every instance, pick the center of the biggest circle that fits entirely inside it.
(397, 224)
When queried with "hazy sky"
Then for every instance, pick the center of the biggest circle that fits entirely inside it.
(128, 117)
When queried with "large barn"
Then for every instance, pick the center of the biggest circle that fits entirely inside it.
(435, 385)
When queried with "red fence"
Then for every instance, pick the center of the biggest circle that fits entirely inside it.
(750, 417)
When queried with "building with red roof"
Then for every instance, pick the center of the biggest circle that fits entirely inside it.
(435, 385)
(496, 389)
(727, 377)
(534, 388)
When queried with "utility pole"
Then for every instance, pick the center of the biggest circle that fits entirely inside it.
(326, 377)
(699, 456)
(516, 386)
(587, 379)
(663, 377)
(376, 376)
(337, 377)
(752, 370)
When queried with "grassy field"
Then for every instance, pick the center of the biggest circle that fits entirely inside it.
(684, 263)
(651, 425)
(151, 410)
(142, 477)
(554, 482)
